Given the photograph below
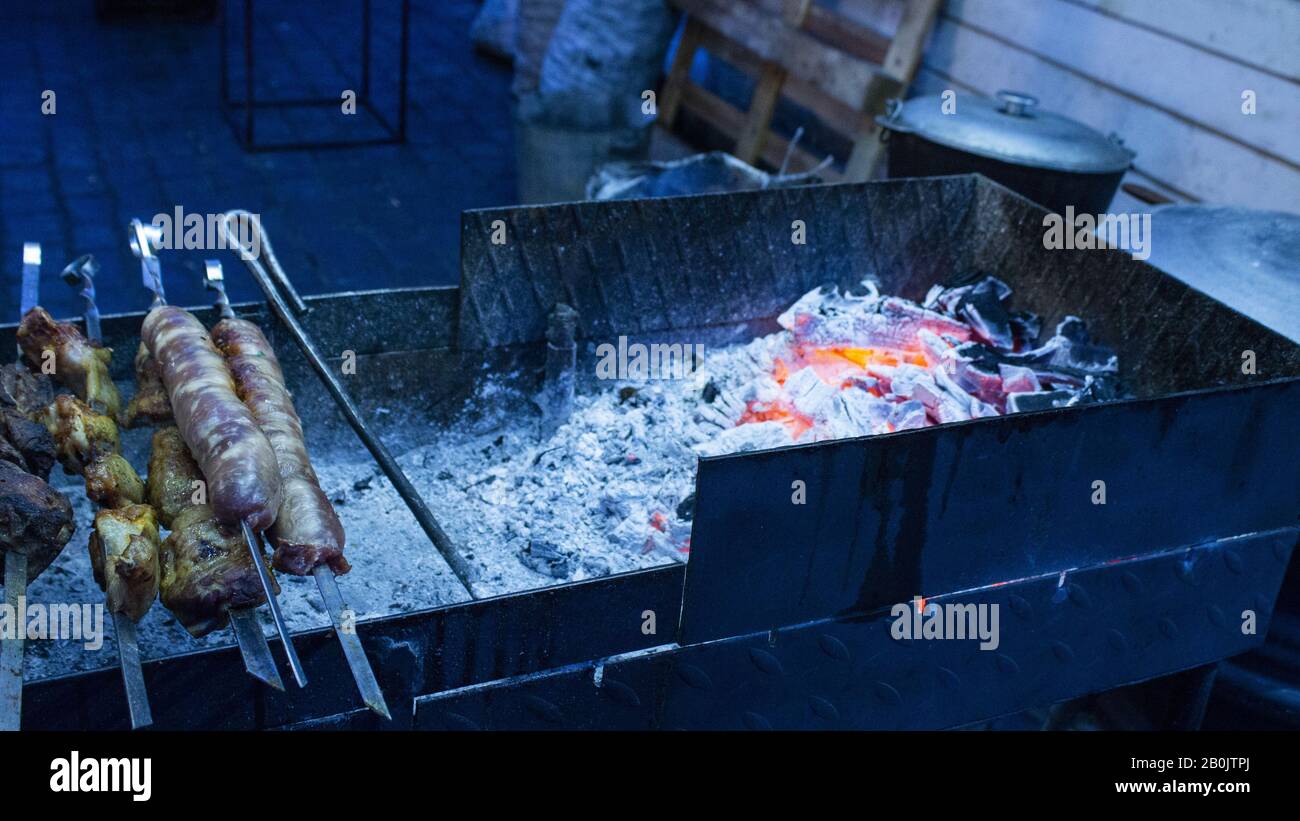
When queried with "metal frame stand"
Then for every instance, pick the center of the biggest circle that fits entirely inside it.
(244, 127)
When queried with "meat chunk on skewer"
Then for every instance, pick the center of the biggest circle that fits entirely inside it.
(149, 405)
(81, 433)
(26, 443)
(112, 482)
(173, 473)
(29, 393)
(207, 571)
(35, 519)
(206, 568)
(307, 532)
(124, 555)
(225, 440)
(78, 364)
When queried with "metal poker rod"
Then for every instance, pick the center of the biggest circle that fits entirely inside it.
(253, 647)
(11, 649)
(362, 673)
(80, 273)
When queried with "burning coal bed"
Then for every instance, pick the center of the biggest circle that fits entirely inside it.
(610, 489)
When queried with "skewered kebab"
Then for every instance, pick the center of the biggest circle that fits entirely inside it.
(123, 544)
(231, 453)
(35, 520)
(307, 534)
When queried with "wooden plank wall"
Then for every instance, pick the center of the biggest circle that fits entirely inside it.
(1167, 75)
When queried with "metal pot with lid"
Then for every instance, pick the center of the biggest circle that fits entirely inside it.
(1048, 158)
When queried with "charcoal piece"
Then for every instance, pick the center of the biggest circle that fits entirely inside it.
(547, 558)
(981, 306)
(686, 508)
(710, 392)
(1026, 327)
(1043, 400)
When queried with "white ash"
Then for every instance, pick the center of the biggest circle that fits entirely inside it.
(611, 489)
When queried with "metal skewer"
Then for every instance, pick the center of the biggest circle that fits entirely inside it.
(253, 647)
(214, 281)
(11, 649)
(81, 273)
(362, 673)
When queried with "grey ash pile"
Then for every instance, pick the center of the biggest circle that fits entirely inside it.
(611, 489)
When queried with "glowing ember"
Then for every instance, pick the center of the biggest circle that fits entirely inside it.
(852, 364)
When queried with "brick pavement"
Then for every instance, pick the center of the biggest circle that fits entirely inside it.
(139, 130)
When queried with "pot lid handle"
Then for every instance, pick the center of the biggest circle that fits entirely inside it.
(1016, 104)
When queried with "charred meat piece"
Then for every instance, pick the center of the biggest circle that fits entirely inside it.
(222, 435)
(79, 365)
(81, 433)
(206, 571)
(35, 519)
(307, 532)
(30, 393)
(112, 482)
(172, 475)
(124, 549)
(150, 405)
(29, 441)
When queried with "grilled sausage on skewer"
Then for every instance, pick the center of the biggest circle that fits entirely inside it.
(230, 449)
(206, 568)
(307, 532)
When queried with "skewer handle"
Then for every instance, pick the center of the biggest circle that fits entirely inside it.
(81, 272)
(215, 280)
(143, 239)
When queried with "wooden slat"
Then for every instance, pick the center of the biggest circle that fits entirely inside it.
(729, 120)
(761, 107)
(679, 73)
(1264, 34)
(1179, 79)
(831, 27)
(839, 75)
(900, 66)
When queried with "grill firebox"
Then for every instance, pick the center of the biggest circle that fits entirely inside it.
(781, 617)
